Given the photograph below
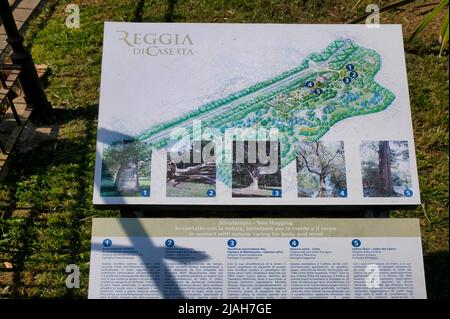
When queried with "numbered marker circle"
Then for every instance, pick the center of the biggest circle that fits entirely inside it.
(211, 193)
(310, 84)
(145, 193)
(343, 192)
(294, 243)
(276, 193)
(318, 91)
(346, 80)
(232, 243)
(169, 243)
(350, 67)
(356, 243)
(354, 74)
(107, 242)
(408, 192)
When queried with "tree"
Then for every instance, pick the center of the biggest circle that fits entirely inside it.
(307, 185)
(384, 167)
(125, 158)
(194, 162)
(253, 165)
(323, 160)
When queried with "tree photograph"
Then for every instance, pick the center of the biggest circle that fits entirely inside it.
(321, 169)
(385, 168)
(256, 169)
(191, 170)
(126, 169)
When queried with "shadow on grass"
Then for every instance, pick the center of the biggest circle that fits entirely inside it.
(26, 239)
(81, 204)
(73, 158)
(169, 16)
(138, 11)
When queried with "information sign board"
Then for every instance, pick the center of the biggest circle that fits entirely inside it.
(254, 114)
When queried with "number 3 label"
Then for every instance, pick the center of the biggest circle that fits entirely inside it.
(276, 193)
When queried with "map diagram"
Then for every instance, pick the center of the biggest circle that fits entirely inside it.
(302, 103)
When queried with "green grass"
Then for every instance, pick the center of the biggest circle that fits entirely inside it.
(188, 189)
(46, 201)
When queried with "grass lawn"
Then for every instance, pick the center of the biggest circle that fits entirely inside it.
(46, 201)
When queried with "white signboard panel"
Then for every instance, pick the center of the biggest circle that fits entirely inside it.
(256, 258)
(254, 114)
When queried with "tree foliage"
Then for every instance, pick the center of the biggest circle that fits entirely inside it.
(130, 151)
(325, 162)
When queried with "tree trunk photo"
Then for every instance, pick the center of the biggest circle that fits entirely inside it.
(323, 187)
(254, 185)
(127, 179)
(384, 168)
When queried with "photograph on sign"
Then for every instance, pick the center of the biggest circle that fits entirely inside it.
(321, 169)
(191, 170)
(256, 169)
(126, 169)
(385, 168)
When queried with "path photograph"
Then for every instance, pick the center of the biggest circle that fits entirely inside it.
(126, 170)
